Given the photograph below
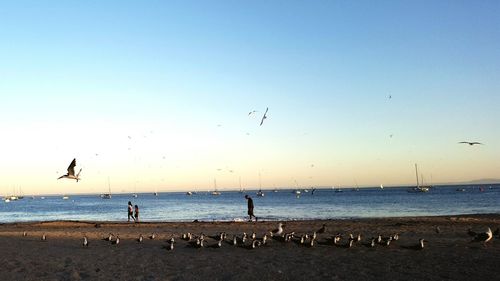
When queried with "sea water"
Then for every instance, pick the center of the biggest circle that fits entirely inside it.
(280, 205)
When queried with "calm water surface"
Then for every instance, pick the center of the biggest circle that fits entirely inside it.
(281, 205)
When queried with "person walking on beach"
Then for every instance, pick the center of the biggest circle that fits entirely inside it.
(136, 213)
(130, 211)
(250, 208)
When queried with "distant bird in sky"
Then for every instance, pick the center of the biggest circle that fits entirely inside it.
(264, 116)
(470, 143)
(390, 96)
(71, 172)
(252, 112)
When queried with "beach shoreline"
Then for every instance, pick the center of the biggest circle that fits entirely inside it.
(449, 252)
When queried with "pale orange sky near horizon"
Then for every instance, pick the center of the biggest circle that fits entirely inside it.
(156, 95)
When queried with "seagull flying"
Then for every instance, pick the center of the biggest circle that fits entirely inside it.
(470, 143)
(71, 172)
(264, 116)
(252, 112)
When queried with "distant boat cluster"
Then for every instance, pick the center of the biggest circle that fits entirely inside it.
(12, 198)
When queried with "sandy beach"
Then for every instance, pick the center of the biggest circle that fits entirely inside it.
(449, 254)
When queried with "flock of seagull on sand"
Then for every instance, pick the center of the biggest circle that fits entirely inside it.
(279, 234)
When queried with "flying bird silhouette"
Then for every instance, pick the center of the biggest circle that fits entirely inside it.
(251, 112)
(470, 143)
(264, 116)
(71, 172)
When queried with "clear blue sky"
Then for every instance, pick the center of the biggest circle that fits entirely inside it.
(77, 78)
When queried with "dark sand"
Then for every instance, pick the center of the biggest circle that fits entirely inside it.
(449, 255)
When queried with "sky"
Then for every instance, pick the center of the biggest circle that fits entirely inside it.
(155, 95)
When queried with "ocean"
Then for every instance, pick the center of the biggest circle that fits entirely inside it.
(280, 205)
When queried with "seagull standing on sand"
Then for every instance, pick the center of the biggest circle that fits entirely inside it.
(264, 239)
(218, 245)
(198, 243)
(395, 237)
(419, 246)
(311, 243)
(255, 244)
(25, 233)
(372, 243)
(44, 237)
(322, 229)
(85, 241)
(110, 237)
(484, 236)
(71, 172)
(140, 239)
(289, 236)
(336, 239)
(171, 246)
(421, 243)
(278, 231)
(264, 116)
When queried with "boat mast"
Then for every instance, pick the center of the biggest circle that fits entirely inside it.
(260, 182)
(109, 186)
(416, 174)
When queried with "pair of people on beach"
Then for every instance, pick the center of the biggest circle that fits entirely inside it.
(133, 212)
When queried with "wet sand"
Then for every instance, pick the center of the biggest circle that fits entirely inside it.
(448, 255)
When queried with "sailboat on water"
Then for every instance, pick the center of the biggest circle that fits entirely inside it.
(107, 195)
(215, 192)
(419, 188)
(260, 193)
(241, 189)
